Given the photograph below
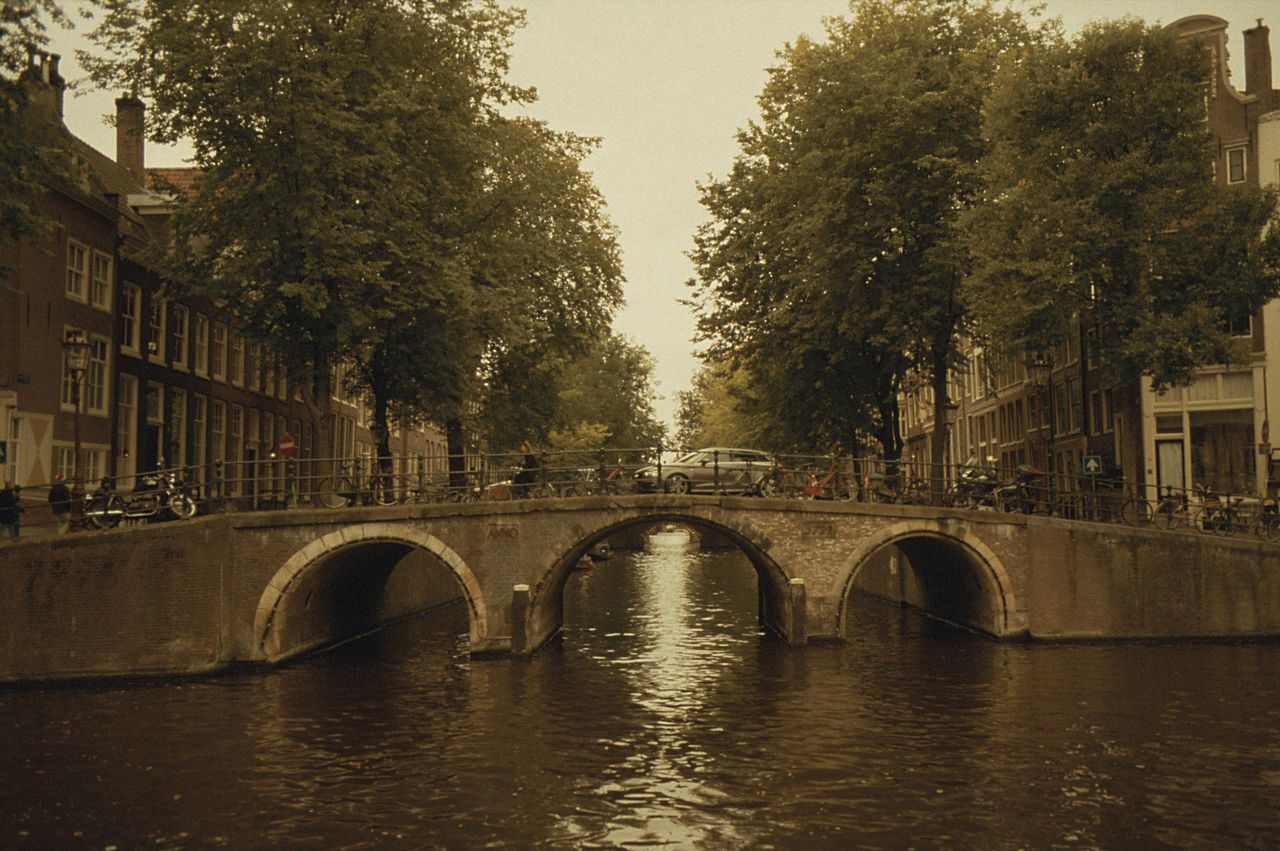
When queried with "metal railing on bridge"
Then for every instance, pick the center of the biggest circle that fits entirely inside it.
(278, 483)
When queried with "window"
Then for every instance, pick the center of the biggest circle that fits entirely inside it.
(155, 403)
(235, 448)
(100, 283)
(178, 427)
(1239, 327)
(131, 311)
(126, 419)
(64, 462)
(155, 330)
(199, 422)
(96, 376)
(218, 432)
(236, 366)
(269, 378)
(253, 362)
(202, 345)
(1235, 165)
(1095, 413)
(77, 269)
(181, 316)
(218, 352)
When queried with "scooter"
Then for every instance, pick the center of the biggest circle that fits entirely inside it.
(160, 496)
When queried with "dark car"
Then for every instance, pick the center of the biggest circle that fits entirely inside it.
(717, 468)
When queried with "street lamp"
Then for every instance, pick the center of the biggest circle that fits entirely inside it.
(1041, 366)
(75, 346)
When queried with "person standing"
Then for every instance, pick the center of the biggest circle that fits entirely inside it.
(529, 468)
(60, 502)
(10, 510)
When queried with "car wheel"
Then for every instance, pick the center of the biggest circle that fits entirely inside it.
(677, 484)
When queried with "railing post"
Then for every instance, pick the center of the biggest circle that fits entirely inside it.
(715, 460)
(520, 620)
(659, 480)
(217, 480)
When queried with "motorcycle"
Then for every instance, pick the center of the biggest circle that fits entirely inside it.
(160, 496)
(975, 487)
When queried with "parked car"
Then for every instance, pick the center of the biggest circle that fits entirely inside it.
(705, 470)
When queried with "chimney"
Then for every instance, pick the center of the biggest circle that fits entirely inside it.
(1257, 60)
(129, 141)
(47, 85)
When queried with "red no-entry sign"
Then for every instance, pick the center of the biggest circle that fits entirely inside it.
(288, 445)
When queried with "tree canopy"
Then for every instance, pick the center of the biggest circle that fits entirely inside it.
(362, 195)
(28, 141)
(1100, 209)
(831, 266)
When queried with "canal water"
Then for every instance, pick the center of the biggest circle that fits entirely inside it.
(663, 718)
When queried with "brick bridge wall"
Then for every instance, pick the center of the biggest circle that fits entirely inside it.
(262, 587)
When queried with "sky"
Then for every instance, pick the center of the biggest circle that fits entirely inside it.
(665, 85)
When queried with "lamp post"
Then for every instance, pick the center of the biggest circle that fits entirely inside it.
(1042, 368)
(75, 346)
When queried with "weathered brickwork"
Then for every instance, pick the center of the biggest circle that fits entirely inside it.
(263, 587)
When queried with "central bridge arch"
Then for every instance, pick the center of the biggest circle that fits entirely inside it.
(332, 588)
(544, 615)
(944, 570)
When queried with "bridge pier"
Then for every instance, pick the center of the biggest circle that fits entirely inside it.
(798, 631)
(520, 620)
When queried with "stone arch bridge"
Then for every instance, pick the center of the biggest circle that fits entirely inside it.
(267, 587)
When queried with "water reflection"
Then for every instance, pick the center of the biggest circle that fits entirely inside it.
(664, 717)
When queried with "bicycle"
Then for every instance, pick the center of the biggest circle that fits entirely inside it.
(348, 487)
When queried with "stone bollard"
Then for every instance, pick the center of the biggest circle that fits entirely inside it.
(798, 616)
(520, 620)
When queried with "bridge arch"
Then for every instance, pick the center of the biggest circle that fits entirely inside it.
(958, 577)
(283, 626)
(545, 613)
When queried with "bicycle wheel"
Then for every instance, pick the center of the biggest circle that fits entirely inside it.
(1136, 512)
(1222, 523)
(334, 492)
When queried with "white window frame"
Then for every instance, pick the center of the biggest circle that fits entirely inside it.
(178, 426)
(126, 420)
(156, 333)
(218, 352)
(200, 363)
(218, 431)
(131, 312)
(77, 282)
(235, 364)
(1242, 150)
(97, 377)
(101, 267)
(181, 336)
(199, 440)
(253, 366)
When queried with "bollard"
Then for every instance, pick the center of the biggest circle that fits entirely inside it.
(798, 636)
(520, 620)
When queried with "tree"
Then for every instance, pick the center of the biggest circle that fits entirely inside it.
(29, 142)
(1099, 211)
(362, 196)
(720, 410)
(611, 386)
(831, 266)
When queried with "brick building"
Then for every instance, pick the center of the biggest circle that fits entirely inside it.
(169, 382)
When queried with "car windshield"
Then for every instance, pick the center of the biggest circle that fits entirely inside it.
(688, 458)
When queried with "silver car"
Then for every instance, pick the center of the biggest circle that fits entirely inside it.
(717, 468)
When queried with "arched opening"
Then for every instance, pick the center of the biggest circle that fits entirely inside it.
(545, 615)
(949, 578)
(353, 582)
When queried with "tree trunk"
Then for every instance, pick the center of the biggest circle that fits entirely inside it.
(456, 441)
(380, 428)
(938, 439)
